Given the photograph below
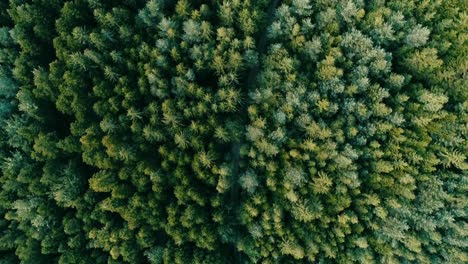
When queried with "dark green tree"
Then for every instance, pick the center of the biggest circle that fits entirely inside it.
(234, 131)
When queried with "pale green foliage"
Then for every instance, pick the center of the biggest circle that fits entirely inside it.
(192, 31)
(321, 183)
(254, 133)
(155, 255)
(432, 102)
(306, 211)
(291, 248)
(301, 7)
(425, 61)
(454, 158)
(418, 36)
(295, 176)
(249, 181)
(351, 12)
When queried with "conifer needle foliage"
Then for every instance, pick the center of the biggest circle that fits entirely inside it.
(233, 131)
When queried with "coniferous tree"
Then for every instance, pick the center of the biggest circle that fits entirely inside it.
(238, 131)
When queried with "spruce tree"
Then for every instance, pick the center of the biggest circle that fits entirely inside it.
(234, 131)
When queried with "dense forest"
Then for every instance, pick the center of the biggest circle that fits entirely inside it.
(234, 131)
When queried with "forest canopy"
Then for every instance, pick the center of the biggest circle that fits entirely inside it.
(234, 131)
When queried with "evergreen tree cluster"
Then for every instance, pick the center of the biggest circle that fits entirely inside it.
(234, 131)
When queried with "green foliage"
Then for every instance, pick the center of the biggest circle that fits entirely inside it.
(237, 131)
